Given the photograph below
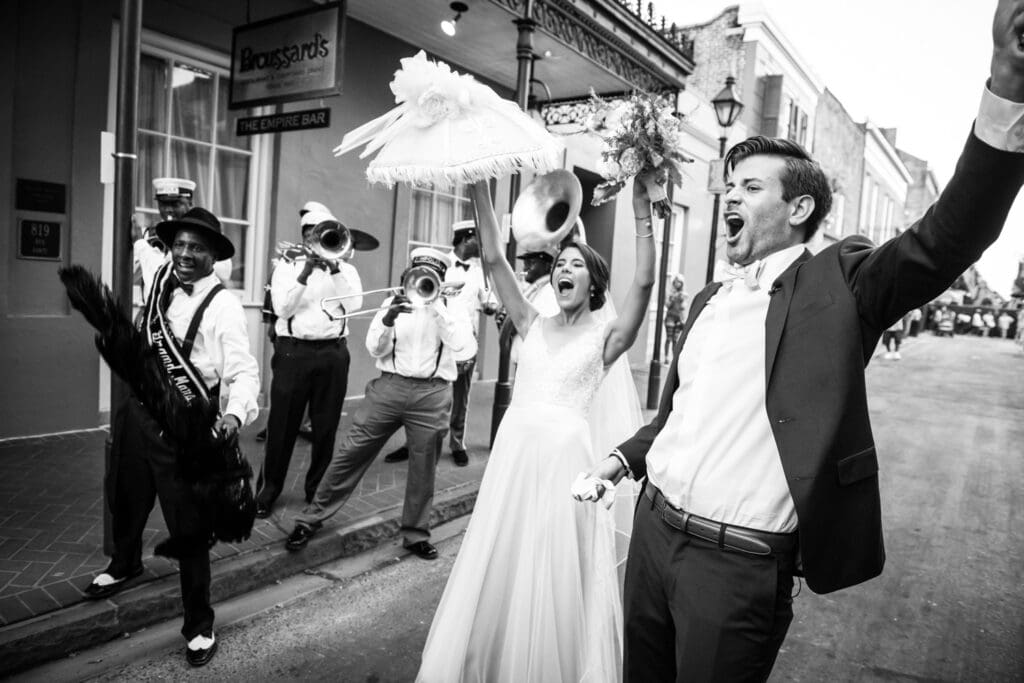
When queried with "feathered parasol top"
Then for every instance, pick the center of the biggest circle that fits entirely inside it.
(449, 128)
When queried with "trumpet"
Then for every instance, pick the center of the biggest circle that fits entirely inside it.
(421, 285)
(328, 240)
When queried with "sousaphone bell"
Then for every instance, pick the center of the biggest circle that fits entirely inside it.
(547, 210)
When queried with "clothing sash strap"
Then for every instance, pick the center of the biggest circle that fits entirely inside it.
(172, 354)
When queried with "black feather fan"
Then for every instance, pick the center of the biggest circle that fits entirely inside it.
(215, 467)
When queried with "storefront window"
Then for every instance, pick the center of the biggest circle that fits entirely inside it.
(186, 131)
(433, 213)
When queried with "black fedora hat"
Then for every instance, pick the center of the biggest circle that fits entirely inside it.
(203, 222)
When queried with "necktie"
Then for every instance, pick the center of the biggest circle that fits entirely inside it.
(749, 274)
(462, 264)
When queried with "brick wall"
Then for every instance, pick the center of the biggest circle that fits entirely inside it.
(716, 54)
(839, 148)
(919, 195)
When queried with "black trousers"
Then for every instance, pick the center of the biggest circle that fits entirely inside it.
(313, 373)
(694, 612)
(144, 469)
(460, 404)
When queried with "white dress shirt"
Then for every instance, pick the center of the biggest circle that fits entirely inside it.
(297, 306)
(716, 456)
(472, 298)
(221, 351)
(410, 347)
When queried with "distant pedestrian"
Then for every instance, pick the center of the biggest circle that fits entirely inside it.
(977, 324)
(990, 323)
(915, 322)
(675, 314)
(1005, 321)
(891, 339)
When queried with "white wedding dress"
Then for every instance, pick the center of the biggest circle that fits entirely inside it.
(533, 595)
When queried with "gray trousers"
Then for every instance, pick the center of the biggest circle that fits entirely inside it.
(423, 407)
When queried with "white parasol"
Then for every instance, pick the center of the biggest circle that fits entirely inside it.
(448, 128)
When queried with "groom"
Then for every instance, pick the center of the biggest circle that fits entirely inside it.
(760, 463)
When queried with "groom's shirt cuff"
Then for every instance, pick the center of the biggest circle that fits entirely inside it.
(1000, 122)
(617, 454)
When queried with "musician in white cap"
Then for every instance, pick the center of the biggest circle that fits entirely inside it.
(474, 298)
(174, 198)
(415, 348)
(311, 356)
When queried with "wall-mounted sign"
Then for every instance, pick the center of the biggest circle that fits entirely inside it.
(296, 56)
(40, 240)
(281, 123)
(39, 195)
(716, 176)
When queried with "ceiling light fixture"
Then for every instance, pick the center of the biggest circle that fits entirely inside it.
(448, 25)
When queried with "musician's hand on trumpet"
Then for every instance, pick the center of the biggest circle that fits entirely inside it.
(399, 304)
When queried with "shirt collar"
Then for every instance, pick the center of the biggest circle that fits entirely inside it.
(776, 263)
(204, 284)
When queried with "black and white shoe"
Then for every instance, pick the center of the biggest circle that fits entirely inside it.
(201, 649)
(106, 584)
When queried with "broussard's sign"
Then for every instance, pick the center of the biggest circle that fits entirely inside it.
(295, 56)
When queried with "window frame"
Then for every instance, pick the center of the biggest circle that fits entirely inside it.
(259, 155)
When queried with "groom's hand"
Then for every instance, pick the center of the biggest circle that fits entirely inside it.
(610, 468)
(1008, 50)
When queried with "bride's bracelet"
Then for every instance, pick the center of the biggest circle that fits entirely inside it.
(646, 222)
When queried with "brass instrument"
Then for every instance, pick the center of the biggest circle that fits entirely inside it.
(420, 284)
(328, 240)
(547, 210)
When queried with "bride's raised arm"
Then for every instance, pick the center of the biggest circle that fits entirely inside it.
(521, 312)
(634, 310)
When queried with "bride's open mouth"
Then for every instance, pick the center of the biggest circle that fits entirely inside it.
(565, 285)
(734, 226)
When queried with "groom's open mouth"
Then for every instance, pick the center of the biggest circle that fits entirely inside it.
(565, 285)
(733, 227)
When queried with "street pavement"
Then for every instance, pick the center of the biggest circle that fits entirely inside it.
(949, 606)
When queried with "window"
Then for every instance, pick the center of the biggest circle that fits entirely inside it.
(433, 212)
(797, 128)
(186, 131)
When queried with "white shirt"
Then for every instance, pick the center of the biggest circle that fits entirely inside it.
(716, 456)
(472, 298)
(410, 347)
(221, 350)
(297, 306)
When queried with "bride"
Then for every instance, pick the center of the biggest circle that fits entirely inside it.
(533, 594)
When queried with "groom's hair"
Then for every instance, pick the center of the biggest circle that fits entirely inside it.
(597, 267)
(802, 176)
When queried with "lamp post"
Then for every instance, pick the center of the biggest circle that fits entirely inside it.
(727, 109)
(525, 56)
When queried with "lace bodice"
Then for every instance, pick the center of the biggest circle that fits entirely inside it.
(567, 375)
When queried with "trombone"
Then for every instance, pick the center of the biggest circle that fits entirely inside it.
(420, 284)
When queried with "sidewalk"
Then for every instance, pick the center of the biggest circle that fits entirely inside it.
(51, 536)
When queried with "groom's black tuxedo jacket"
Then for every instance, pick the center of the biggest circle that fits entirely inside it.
(824, 320)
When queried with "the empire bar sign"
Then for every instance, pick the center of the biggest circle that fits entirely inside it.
(296, 56)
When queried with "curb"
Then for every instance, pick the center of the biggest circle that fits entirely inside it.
(86, 624)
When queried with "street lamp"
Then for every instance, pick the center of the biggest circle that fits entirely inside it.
(727, 109)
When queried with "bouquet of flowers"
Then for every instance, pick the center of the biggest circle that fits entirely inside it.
(641, 138)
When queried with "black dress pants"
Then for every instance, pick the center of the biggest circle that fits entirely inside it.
(305, 372)
(144, 469)
(694, 612)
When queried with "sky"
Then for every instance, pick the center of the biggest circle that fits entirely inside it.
(915, 65)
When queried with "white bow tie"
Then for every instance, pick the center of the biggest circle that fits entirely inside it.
(747, 274)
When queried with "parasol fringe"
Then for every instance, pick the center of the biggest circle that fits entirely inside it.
(541, 161)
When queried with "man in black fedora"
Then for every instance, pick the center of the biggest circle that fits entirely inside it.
(199, 332)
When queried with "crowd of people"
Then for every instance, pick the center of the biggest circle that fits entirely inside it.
(758, 468)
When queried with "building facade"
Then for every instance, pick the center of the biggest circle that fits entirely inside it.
(58, 106)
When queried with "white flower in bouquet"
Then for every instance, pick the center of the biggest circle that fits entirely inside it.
(630, 161)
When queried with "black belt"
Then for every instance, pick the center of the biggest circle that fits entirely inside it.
(437, 380)
(317, 343)
(737, 538)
